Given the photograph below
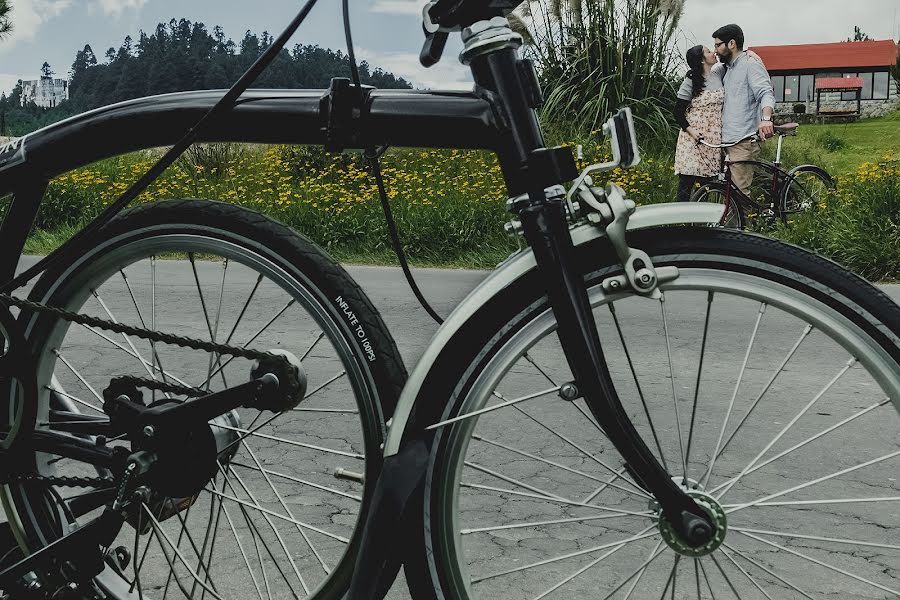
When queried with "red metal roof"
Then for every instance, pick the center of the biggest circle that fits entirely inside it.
(841, 55)
(839, 83)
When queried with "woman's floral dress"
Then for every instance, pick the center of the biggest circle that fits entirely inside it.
(705, 116)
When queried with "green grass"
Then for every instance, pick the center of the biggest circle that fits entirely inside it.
(865, 141)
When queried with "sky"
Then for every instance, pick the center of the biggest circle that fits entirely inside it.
(387, 33)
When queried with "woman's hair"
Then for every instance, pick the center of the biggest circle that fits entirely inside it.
(697, 73)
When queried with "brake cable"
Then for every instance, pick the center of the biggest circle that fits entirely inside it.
(372, 155)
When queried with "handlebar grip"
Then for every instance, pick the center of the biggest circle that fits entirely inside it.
(433, 48)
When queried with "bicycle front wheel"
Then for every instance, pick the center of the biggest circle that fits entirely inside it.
(766, 381)
(270, 519)
(733, 217)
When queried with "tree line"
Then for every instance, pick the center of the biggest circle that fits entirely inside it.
(181, 56)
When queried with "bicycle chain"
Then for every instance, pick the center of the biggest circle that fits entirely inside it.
(138, 332)
(62, 481)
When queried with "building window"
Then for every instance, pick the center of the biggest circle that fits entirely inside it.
(778, 87)
(791, 88)
(849, 95)
(881, 87)
(807, 88)
(867, 85)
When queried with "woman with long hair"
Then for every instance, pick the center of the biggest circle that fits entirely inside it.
(698, 111)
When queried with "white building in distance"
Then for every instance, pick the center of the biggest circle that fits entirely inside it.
(45, 92)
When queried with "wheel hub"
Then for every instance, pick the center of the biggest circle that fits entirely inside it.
(712, 508)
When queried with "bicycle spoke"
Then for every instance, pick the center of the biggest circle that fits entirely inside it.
(807, 441)
(266, 518)
(127, 338)
(637, 384)
(641, 572)
(616, 474)
(814, 482)
(768, 571)
(165, 374)
(788, 427)
(697, 577)
(513, 481)
(285, 507)
(635, 538)
(641, 569)
(162, 534)
(670, 582)
(248, 342)
(277, 515)
(821, 563)
(814, 502)
(154, 356)
(706, 578)
(214, 358)
(298, 480)
(536, 458)
(346, 411)
(544, 523)
(737, 386)
(493, 408)
(755, 584)
(488, 488)
(237, 539)
(817, 538)
(80, 378)
(323, 385)
(807, 330)
(587, 567)
(687, 457)
(266, 436)
(662, 307)
(725, 576)
(74, 398)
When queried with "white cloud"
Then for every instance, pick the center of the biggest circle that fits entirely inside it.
(28, 16)
(448, 74)
(115, 8)
(398, 7)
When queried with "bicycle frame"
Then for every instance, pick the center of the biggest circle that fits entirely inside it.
(499, 116)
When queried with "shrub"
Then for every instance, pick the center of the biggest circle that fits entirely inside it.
(832, 142)
(800, 108)
(858, 224)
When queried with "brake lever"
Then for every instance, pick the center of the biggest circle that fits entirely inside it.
(433, 48)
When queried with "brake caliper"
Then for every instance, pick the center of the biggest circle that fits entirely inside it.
(611, 211)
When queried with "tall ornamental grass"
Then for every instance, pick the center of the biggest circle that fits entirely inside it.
(596, 56)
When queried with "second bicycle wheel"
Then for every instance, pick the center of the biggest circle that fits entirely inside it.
(733, 217)
(273, 521)
(766, 381)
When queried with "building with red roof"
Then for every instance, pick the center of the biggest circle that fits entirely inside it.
(841, 77)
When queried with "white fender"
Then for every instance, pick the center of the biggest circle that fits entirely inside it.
(516, 266)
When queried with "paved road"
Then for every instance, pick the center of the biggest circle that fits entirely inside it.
(329, 508)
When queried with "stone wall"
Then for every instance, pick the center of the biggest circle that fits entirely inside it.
(832, 102)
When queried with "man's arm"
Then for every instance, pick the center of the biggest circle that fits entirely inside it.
(761, 86)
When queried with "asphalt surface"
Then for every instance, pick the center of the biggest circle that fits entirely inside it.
(505, 483)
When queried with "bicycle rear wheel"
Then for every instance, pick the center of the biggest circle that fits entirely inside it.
(806, 189)
(733, 217)
(767, 383)
(273, 521)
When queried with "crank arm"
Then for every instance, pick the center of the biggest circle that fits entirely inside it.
(546, 229)
(81, 547)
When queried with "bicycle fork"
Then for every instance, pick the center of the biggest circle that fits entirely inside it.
(546, 229)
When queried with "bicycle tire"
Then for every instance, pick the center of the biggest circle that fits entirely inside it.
(288, 266)
(733, 217)
(820, 287)
(804, 189)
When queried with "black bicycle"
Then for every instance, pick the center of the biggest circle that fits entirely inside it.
(201, 403)
(776, 194)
